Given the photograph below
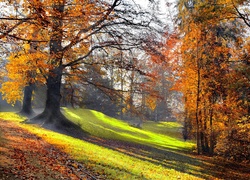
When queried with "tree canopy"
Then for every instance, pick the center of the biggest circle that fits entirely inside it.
(84, 50)
(61, 39)
(215, 92)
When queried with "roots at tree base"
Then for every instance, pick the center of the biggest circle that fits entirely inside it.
(27, 112)
(56, 121)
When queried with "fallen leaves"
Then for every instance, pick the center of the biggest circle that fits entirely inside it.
(30, 157)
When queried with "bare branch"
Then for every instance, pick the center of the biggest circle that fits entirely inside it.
(96, 24)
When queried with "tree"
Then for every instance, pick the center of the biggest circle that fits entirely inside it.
(21, 73)
(207, 51)
(92, 90)
(75, 31)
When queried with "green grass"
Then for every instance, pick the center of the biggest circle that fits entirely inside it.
(172, 129)
(164, 134)
(12, 116)
(114, 164)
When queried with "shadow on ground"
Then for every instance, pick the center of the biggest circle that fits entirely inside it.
(67, 127)
(200, 166)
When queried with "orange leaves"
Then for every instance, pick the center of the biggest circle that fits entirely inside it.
(213, 87)
(36, 159)
(12, 91)
(23, 68)
(151, 102)
(22, 63)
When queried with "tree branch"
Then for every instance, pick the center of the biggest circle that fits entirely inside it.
(77, 38)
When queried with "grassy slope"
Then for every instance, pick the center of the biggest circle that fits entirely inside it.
(114, 164)
(154, 134)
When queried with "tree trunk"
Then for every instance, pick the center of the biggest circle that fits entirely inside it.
(52, 117)
(52, 106)
(27, 105)
(185, 128)
(52, 113)
(205, 129)
(122, 96)
(197, 110)
(211, 136)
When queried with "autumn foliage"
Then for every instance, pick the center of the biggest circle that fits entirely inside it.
(117, 47)
(212, 78)
(24, 67)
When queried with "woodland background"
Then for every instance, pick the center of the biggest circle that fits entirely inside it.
(123, 59)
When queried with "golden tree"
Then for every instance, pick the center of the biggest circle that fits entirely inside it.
(72, 34)
(211, 35)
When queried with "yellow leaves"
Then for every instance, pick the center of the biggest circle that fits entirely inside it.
(12, 91)
(151, 102)
(23, 68)
(26, 47)
(247, 46)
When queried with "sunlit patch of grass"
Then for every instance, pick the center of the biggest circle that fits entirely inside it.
(164, 134)
(11, 116)
(113, 164)
(166, 128)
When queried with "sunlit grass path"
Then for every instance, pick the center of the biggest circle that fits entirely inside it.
(162, 161)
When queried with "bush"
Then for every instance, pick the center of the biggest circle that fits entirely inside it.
(234, 145)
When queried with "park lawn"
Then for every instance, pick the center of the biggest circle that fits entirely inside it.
(12, 116)
(163, 134)
(108, 162)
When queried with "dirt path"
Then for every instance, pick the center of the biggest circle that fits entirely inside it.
(25, 156)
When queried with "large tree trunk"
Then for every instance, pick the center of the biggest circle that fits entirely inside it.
(197, 109)
(211, 136)
(52, 111)
(52, 117)
(27, 99)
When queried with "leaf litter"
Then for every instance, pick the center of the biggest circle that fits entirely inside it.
(26, 156)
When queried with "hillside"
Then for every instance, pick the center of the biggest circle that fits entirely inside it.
(162, 134)
(114, 150)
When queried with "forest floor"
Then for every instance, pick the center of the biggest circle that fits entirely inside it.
(24, 155)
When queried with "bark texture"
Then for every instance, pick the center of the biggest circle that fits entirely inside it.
(27, 99)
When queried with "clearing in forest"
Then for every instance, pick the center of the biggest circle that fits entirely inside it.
(111, 150)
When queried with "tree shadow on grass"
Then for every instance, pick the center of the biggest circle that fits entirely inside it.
(65, 126)
(199, 166)
(117, 170)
